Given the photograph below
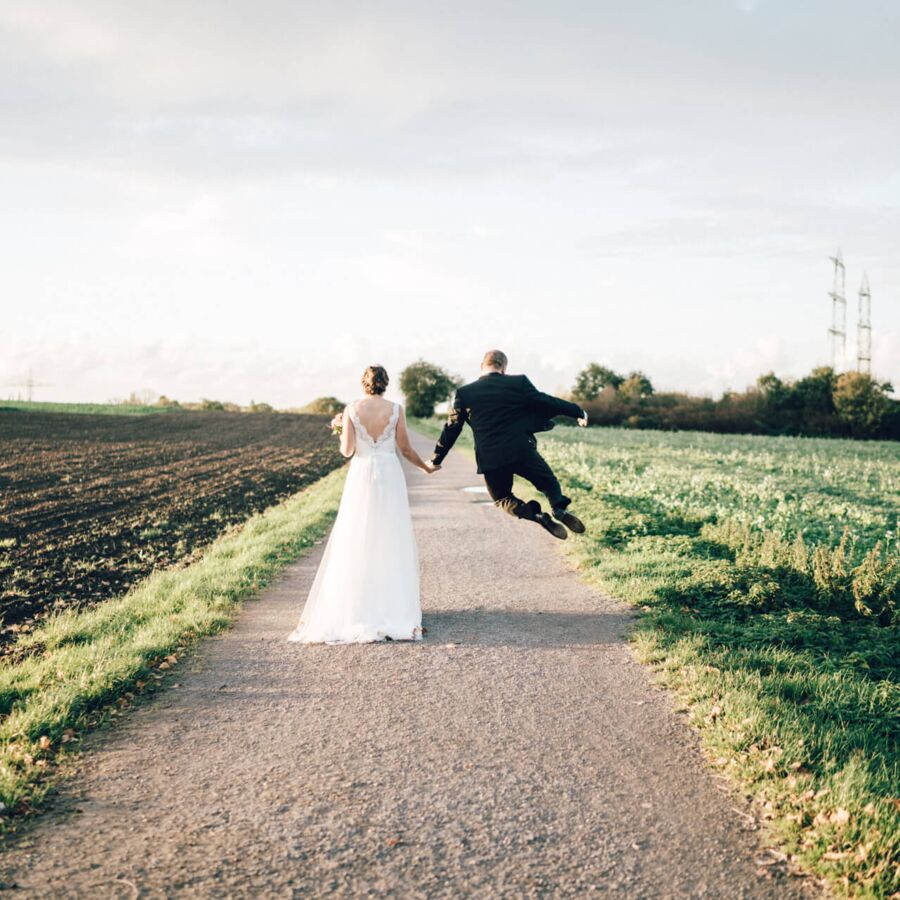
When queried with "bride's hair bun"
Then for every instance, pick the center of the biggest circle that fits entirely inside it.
(375, 380)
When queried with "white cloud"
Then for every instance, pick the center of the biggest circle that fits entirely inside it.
(746, 364)
(256, 200)
(61, 32)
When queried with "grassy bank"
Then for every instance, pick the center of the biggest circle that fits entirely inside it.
(766, 577)
(80, 668)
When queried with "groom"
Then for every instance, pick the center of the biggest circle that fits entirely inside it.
(504, 411)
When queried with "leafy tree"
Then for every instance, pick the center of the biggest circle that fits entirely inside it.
(813, 394)
(636, 387)
(592, 379)
(324, 406)
(211, 404)
(777, 411)
(890, 426)
(772, 388)
(260, 407)
(424, 385)
(860, 402)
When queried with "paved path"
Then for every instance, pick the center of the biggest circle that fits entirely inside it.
(517, 751)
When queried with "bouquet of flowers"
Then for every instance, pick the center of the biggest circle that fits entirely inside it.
(337, 424)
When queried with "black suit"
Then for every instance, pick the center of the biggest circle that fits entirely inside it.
(504, 411)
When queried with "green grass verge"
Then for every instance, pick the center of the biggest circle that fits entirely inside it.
(110, 409)
(81, 668)
(799, 707)
(784, 653)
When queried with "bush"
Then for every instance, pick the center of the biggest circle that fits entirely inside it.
(424, 385)
(818, 577)
(324, 406)
(592, 380)
(890, 424)
(860, 402)
(636, 387)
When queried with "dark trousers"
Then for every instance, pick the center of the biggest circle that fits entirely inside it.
(532, 467)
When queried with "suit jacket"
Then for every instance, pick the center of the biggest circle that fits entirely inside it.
(503, 411)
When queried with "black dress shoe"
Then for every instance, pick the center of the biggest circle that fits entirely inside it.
(573, 523)
(530, 510)
(545, 520)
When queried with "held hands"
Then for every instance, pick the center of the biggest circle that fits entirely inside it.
(583, 421)
(431, 468)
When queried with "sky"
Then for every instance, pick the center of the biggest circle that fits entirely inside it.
(255, 200)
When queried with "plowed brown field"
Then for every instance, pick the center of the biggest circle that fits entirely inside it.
(91, 504)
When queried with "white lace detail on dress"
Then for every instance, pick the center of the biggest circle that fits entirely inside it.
(387, 432)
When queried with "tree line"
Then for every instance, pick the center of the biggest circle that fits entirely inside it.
(823, 403)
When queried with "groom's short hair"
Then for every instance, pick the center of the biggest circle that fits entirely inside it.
(495, 359)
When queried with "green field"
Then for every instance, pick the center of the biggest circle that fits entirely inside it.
(110, 409)
(779, 485)
(766, 576)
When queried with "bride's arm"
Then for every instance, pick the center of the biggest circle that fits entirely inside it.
(348, 435)
(406, 448)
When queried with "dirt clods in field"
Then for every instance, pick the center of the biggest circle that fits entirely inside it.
(91, 504)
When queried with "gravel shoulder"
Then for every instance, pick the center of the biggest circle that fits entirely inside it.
(519, 750)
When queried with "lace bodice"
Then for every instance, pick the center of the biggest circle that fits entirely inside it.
(385, 443)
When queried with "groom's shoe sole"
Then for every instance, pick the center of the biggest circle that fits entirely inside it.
(573, 523)
(546, 522)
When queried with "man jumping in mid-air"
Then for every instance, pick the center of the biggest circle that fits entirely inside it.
(504, 411)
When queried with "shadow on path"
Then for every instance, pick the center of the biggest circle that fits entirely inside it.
(525, 628)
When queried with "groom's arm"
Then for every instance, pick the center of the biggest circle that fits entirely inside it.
(450, 432)
(549, 405)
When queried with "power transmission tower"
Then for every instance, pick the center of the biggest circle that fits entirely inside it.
(838, 330)
(864, 328)
(29, 384)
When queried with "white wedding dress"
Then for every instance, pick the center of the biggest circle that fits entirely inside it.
(367, 585)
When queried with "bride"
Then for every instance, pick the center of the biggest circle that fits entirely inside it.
(367, 585)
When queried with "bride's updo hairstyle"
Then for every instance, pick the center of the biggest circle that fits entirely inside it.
(375, 380)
